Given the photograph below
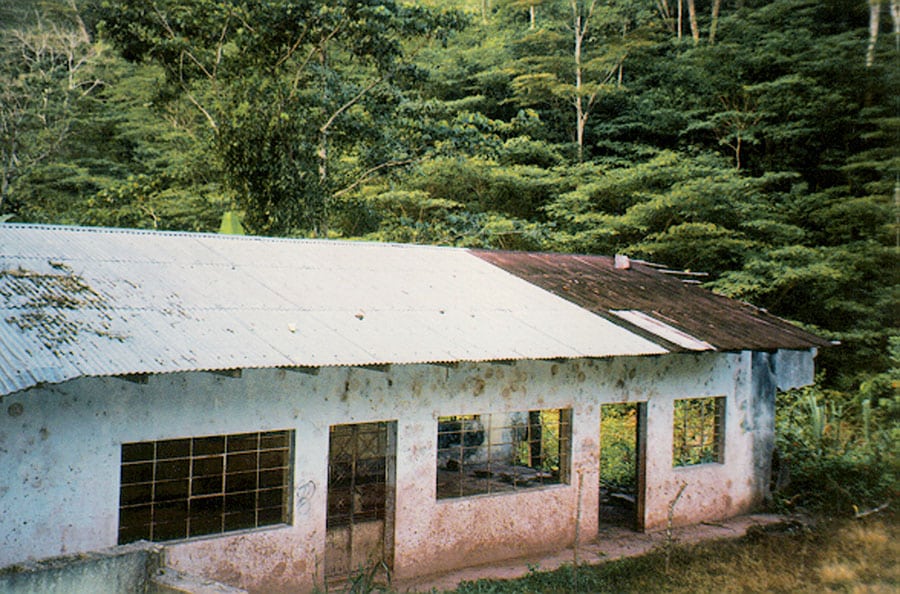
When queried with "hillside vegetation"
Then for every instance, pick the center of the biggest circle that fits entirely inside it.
(755, 140)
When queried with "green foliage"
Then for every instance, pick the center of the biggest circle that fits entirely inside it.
(89, 148)
(231, 224)
(47, 72)
(692, 212)
(298, 96)
(696, 246)
(416, 217)
(849, 289)
(522, 150)
(838, 452)
(473, 202)
(697, 431)
(572, 57)
(145, 201)
(618, 458)
(366, 581)
(548, 424)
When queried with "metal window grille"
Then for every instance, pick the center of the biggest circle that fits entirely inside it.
(698, 431)
(359, 526)
(496, 453)
(357, 473)
(179, 488)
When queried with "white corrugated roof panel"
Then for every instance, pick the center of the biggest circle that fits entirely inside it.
(92, 302)
(661, 329)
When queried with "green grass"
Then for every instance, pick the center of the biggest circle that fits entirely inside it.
(836, 556)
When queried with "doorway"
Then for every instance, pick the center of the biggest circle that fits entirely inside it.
(361, 478)
(622, 455)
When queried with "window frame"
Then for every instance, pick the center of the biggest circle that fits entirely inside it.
(497, 472)
(698, 440)
(205, 486)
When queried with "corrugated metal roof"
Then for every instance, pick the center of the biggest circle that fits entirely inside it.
(92, 302)
(594, 283)
(662, 330)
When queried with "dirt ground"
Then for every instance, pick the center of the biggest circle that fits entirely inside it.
(611, 543)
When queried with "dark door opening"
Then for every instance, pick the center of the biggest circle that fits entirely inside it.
(622, 452)
(361, 477)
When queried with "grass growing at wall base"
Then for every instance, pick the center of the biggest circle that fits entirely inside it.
(835, 556)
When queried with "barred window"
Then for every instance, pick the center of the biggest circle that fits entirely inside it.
(179, 488)
(698, 431)
(495, 453)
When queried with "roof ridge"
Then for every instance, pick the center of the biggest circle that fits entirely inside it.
(221, 236)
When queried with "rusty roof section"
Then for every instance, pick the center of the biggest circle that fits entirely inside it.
(594, 283)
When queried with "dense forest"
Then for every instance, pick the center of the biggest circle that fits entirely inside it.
(753, 140)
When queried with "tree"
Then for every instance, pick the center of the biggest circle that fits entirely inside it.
(576, 57)
(46, 68)
(673, 18)
(714, 21)
(688, 212)
(581, 20)
(875, 8)
(296, 95)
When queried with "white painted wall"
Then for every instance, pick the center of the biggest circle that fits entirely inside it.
(60, 450)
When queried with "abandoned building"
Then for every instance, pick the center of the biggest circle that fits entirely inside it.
(277, 413)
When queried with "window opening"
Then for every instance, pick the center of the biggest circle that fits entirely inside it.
(179, 488)
(698, 431)
(495, 453)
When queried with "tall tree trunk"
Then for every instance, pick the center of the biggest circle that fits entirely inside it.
(4, 185)
(580, 21)
(692, 15)
(579, 100)
(532, 17)
(874, 25)
(680, 18)
(897, 210)
(320, 226)
(666, 14)
(714, 22)
(895, 18)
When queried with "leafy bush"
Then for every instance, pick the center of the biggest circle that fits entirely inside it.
(837, 451)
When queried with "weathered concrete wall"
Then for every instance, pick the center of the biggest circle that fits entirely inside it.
(121, 570)
(741, 481)
(135, 568)
(714, 490)
(169, 581)
(791, 369)
(60, 456)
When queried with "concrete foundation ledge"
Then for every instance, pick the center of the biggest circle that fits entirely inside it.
(136, 568)
(169, 581)
(118, 570)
